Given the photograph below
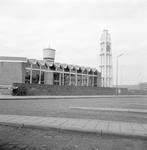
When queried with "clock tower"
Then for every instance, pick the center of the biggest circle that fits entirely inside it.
(106, 60)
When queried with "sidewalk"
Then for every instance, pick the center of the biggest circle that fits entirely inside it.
(10, 97)
(112, 109)
(102, 127)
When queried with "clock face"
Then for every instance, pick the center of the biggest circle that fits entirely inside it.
(108, 48)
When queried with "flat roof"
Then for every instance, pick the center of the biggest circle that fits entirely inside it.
(43, 62)
(13, 59)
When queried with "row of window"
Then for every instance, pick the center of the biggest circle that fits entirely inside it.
(38, 77)
(35, 77)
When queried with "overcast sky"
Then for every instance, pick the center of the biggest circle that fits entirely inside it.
(74, 29)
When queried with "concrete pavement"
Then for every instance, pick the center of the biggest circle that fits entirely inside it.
(102, 127)
(10, 97)
(14, 138)
(112, 109)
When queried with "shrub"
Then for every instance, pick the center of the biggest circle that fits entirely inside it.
(33, 91)
(19, 91)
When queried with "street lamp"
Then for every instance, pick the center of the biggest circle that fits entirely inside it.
(117, 74)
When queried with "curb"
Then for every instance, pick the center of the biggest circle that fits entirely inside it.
(87, 131)
(68, 97)
(111, 109)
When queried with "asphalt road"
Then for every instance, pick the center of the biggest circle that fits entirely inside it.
(64, 108)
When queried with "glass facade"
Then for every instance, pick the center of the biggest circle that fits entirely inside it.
(66, 79)
(42, 77)
(56, 78)
(35, 76)
(37, 73)
(73, 79)
(27, 76)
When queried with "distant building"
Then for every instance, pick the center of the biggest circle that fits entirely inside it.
(106, 60)
(143, 85)
(46, 71)
(129, 87)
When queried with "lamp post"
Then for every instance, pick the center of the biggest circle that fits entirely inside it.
(117, 74)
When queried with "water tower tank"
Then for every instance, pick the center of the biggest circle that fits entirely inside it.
(49, 54)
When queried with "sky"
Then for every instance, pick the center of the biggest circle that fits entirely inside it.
(74, 28)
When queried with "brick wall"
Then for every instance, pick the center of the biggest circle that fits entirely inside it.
(11, 72)
(23, 68)
(36, 89)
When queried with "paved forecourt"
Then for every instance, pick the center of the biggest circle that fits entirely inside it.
(82, 125)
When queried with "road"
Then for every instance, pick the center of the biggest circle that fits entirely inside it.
(66, 108)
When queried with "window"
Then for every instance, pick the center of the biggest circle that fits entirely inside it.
(27, 76)
(35, 76)
(95, 81)
(90, 81)
(73, 79)
(56, 78)
(66, 79)
(84, 80)
(42, 77)
(79, 80)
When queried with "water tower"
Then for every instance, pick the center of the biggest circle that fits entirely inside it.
(49, 54)
(106, 60)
